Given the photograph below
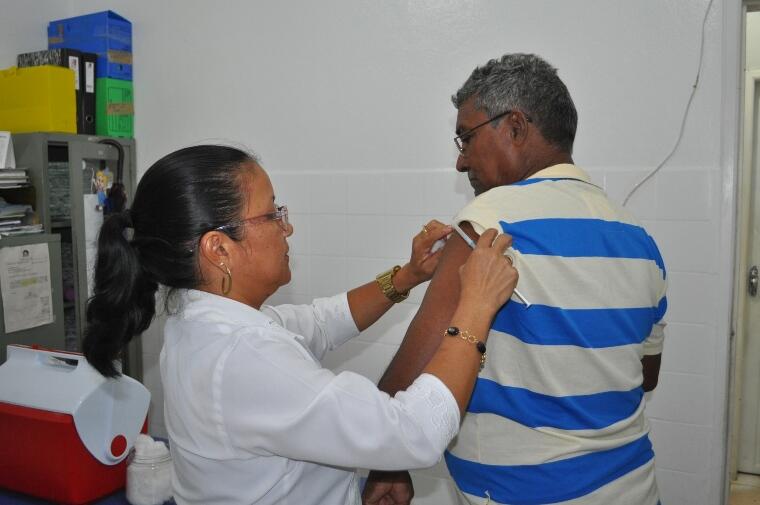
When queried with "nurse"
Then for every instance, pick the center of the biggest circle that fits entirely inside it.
(252, 416)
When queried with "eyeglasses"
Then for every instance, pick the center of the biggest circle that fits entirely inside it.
(280, 215)
(462, 138)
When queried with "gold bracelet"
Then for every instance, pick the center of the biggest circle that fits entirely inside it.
(385, 281)
(453, 331)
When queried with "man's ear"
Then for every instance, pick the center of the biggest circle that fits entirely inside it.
(212, 247)
(517, 127)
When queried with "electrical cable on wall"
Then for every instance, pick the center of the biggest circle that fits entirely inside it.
(685, 113)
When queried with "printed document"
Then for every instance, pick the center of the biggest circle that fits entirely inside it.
(25, 286)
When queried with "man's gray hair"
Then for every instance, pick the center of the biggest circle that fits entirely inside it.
(527, 83)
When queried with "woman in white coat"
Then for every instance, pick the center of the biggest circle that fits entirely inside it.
(252, 416)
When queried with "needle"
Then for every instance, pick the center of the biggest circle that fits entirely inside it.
(471, 243)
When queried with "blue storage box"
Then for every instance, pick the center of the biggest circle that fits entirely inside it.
(105, 33)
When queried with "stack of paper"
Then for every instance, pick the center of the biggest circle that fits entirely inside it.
(13, 178)
(17, 219)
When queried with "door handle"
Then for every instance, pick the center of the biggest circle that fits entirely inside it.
(753, 279)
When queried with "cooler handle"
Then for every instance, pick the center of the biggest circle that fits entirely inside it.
(50, 357)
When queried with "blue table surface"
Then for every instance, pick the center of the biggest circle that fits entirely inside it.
(11, 498)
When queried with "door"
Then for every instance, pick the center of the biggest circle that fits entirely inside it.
(749, 416)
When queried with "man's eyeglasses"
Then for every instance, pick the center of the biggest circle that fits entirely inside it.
(461, 139)
(280, 215)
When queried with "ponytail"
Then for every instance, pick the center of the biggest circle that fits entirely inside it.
(123, 304)
(155, 242)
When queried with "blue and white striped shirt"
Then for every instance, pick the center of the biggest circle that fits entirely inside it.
(557, 415)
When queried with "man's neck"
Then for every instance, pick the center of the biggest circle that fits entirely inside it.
(546, 159)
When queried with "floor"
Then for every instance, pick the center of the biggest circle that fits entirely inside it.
(745, 490)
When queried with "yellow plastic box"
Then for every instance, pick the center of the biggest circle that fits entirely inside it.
(38, 99)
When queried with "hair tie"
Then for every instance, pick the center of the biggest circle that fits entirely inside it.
(129, 231)
(129, 234)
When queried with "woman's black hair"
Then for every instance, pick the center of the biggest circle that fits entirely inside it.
(182, 196)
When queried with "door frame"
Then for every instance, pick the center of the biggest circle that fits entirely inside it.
(750, 81)
(751, 86)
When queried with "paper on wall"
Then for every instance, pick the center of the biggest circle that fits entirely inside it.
(93, 220)
(7, 158)
(25, 286)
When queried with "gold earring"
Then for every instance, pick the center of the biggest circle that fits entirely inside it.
(226, 280)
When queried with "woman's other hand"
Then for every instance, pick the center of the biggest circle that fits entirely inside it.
(488, 277)
(424, 260)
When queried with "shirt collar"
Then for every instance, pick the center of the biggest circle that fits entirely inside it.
(563, 170)
(204, 306)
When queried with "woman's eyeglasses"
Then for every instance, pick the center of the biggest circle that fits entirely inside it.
(280, 215)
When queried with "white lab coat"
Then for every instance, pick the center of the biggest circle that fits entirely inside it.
(253, 418)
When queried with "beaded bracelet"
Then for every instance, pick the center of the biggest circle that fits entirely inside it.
(465, 335)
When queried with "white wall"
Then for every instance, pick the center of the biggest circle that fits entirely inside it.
(23, 26)
(347, 102)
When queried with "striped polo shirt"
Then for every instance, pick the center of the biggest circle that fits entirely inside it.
(557, 415)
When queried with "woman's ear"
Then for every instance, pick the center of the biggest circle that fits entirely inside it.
(212, 247)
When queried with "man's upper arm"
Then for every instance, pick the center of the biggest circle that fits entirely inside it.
(433, 317)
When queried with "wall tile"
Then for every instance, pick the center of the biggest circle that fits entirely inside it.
(417, 294)
(300, 276)
(366, 194)
(327, 275)
(403, 194)
(398, 232)
(391, 328)
(299, 240)
(619, 182)
(153, 338)
(360, 271)
(369, 360)
(683, 398)
(689, 348)
(280, 298)
(445, 193)
(151, 372)
(681, 447)
(684, 194)
(327, 234)
(293, 190)
(692, 298)
(365, 236)
(152, 381)
(596, 175)
(351, 226)
(680, 488)
(328, 193)
(433, 491)
(158, 430)
(686, 246)
(438, 471)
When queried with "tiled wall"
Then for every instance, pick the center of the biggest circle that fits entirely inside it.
(351, 226)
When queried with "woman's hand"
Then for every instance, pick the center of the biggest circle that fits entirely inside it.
(487, 277)
(423, 262)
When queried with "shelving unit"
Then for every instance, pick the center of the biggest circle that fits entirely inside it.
(62, 168)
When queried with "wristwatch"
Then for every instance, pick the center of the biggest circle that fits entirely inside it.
(385, 281)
